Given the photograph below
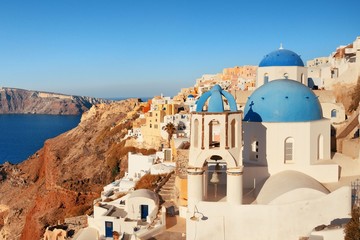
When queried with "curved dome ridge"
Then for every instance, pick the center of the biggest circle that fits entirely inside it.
(215, 97)
(281, 57)
(282, 101)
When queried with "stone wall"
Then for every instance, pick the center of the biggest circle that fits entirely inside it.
(182, 160)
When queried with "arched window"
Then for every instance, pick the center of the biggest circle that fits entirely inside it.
(214, 134)
(320, 149)
(196, 133)
(333, 113)
(233, 133)
(266, 78)
(289, 150)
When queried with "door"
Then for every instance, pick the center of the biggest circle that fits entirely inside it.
(144, 211)
(108, 229)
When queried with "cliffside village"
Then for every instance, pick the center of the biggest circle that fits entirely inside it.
(262, 152)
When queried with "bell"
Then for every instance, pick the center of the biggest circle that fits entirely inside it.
(215, 178)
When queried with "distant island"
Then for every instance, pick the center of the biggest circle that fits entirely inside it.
(21, 101)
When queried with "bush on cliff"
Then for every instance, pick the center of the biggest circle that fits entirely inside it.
(355, 97)
(352, 228)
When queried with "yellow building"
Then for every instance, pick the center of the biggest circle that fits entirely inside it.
(246, 72)
(240, 75)
(151, 131)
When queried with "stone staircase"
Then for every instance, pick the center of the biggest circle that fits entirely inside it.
(168, 195)
(167, 190)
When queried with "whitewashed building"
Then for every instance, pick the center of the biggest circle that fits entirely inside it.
(284, 129)
(127, 215)
(281, 64)
(286, 64)
(191, 102)
(181, 122)
(342, 66)
(282, 158)
(135, 133)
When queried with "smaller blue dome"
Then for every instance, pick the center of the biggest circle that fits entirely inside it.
(282, 101)
(190, 96)
(281, 57)
(216, 104)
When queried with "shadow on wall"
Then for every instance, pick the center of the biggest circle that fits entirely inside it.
(251, 115)
(259, 161)
(333, 139)
(256, 170)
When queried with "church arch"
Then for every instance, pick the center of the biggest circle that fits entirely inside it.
(233, 136)
(196, 133)
(266, 78)
(205, 155)
(214, 134)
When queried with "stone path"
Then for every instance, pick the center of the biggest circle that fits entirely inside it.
(175, 225)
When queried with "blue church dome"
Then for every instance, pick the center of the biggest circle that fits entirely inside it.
(282, 101)
(216, 104)
(281, 57)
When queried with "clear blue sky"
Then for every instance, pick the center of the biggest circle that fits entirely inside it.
(140, 48)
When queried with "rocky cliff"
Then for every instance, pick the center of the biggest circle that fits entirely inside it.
(13, 100)
(67, 174)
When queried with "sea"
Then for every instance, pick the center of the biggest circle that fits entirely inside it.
(21, 135)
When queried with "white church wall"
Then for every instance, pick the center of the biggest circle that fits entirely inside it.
(279, 72)
(271, 138)
(270, 149)
(319, 140)
(276, 135)
(288, 221)
(254, 176)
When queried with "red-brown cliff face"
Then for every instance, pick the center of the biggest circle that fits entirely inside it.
(14, 100)
(67, 174)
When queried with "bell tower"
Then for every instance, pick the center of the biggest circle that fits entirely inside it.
(216, 144)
